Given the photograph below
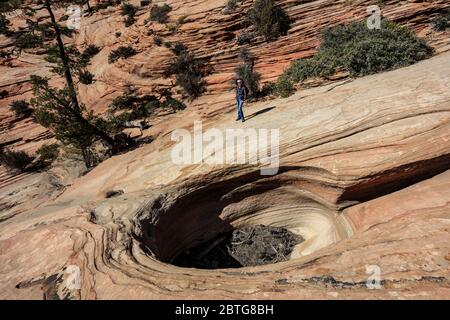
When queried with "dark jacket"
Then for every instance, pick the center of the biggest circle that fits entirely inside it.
(242, 93)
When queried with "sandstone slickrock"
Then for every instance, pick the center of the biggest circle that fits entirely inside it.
(209, 33)
(364, 176)
(389, 130)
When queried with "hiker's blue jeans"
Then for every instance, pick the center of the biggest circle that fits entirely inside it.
(240, 104)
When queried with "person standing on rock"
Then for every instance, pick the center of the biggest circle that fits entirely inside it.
(241, 96)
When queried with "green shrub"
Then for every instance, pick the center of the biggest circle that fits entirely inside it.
(358, 50)
(189, 72)
(64, 18)
(321, 65)
(90, 51)
(173, 104)
(245, 71)
(269, 19)
(4, 25)
(5, 54)
(158, 41)
(362, 51)
(101, 6)
(140, 106)
(267, 89)
(442, 21)
(21, 109)
(48, 153)
(121, 52)
(172, 27)
(129, 11)
(245, 56)
(181, 20)
(85, 77)
(284, 86)
(231, 5)
(126, 101)
(15, 160)
(160, 13)
(251, 78)
(440, 24)
(28, 40)
(178, 48)
(131, 107)
(245, 38)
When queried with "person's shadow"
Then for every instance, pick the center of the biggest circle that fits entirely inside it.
(257, 113)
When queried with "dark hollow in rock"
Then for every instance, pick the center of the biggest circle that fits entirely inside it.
(114, 193)
(242, 247)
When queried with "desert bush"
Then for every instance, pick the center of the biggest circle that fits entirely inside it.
(181, 20)
(158, 41)
(90, 51)
(5, 54)
(130, 100)
(245, 56)
(358, 50)
(28, 40)
(245, 71)
(173, 104)
(440, 24)
(160, 13)
(284, 86)
(189, 72)
(124, 102)
(129, 11)
(267, 89)
(48, 153)
(172, 27)
(251, 78)
(21, 109)
(102, 5)
(322, 65)
(268, 19)
(442, 21)
(15, 160)
(129, 21)
(362, 51)
(85, 77)
(4, 25)
(64, 18)
(245, 38)
(178, 48)
(121, 52)
(131, 107)
(231, 5)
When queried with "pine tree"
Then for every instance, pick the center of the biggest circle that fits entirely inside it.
(60, 109)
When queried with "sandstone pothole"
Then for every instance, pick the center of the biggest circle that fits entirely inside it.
(242, 247)
(195, 224)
